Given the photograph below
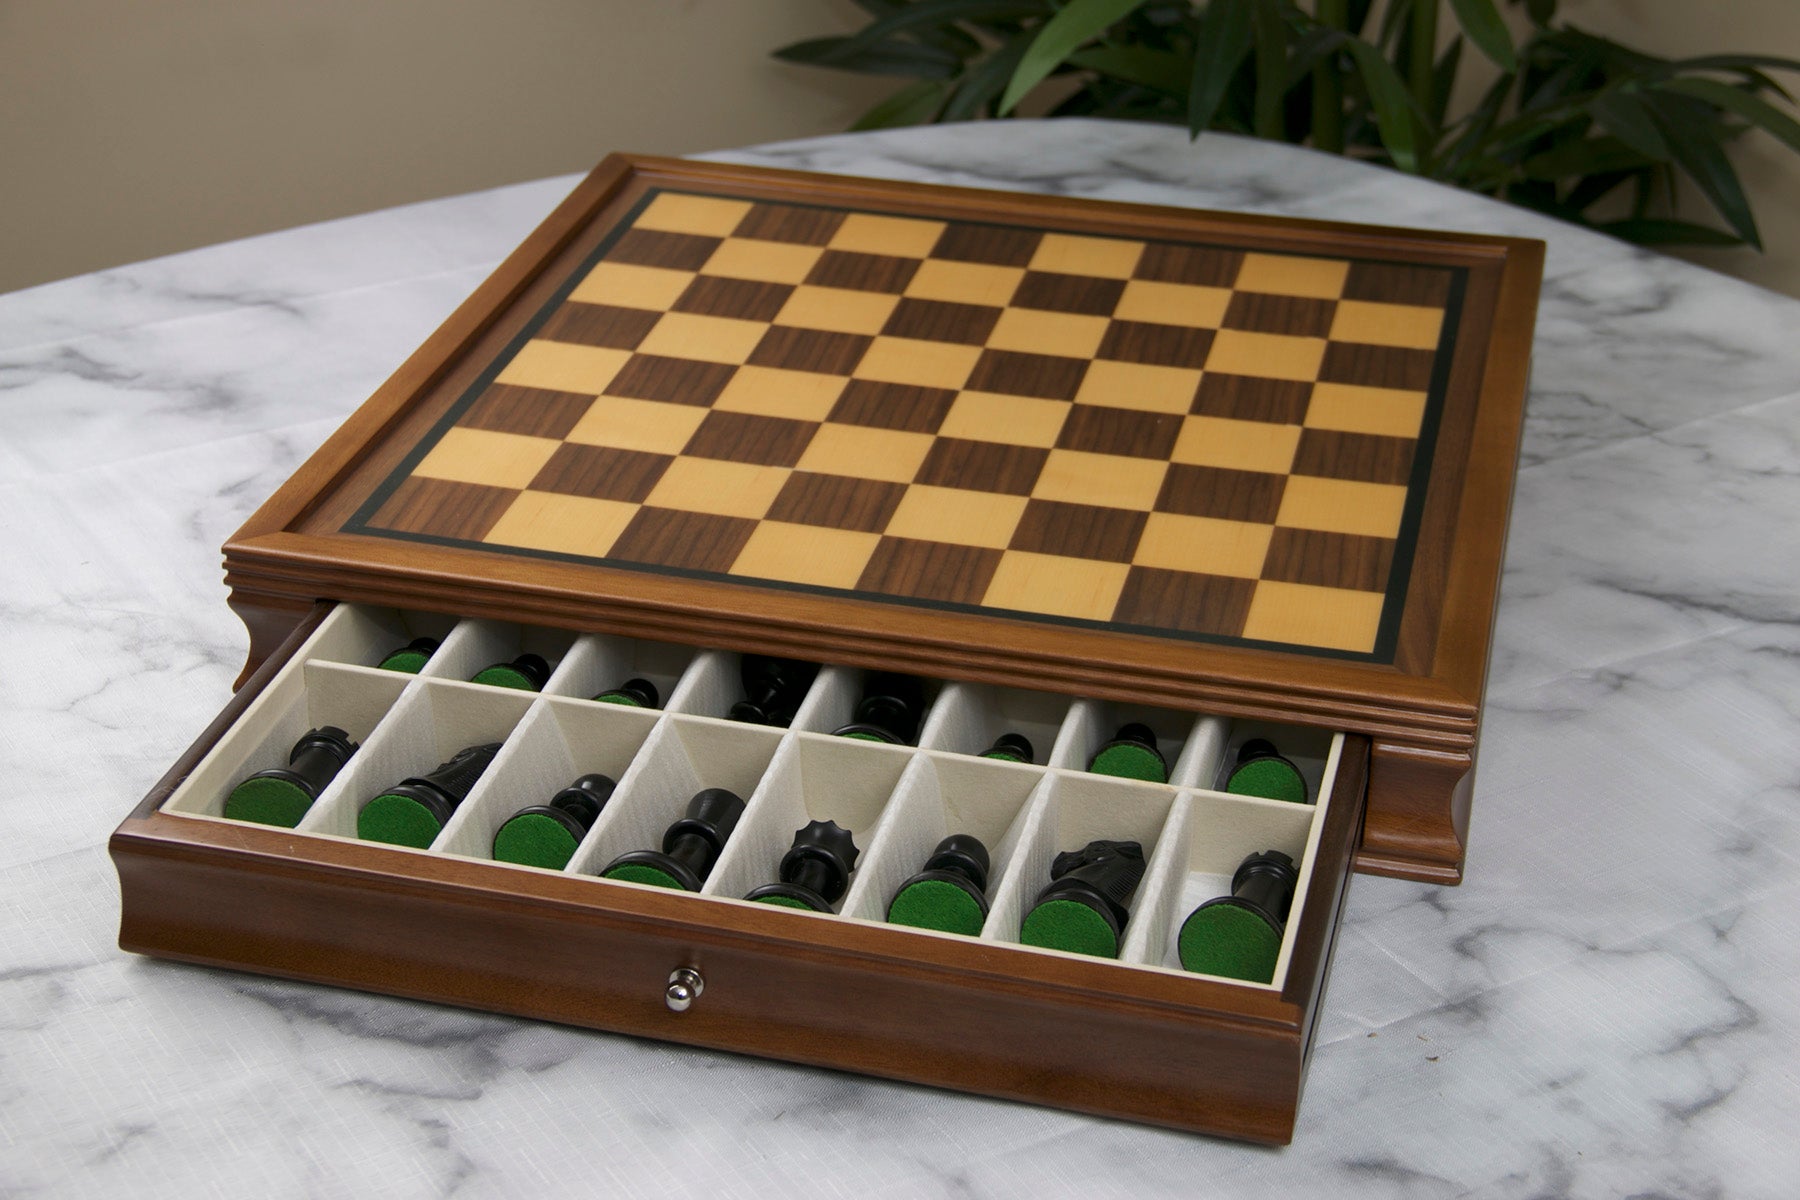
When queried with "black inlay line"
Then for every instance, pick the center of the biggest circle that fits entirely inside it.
(1393, 605)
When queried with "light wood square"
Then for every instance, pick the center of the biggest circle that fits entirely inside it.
(711, 485)
(938, 514)
(563, 367)
(1237, 445)
(840, 310)
(1265, 355)
(964, 282)
(775, 392)
(902, 237)
(626, 285)
(1109, 480)
(502, 460)
(808, 554)
(1352, 409)
(1413, 326)
(709, 216)
(771, 262)
(709, 339)
(1012, 420)
(647, 425)
(863, 452)
(1342, 506)
(1304, 615)
(562, 524)
(1175, 542)
(1036, 331)
(1173, 304)
(1138, 386)
(1052, 584)
(1293, 275)
(1066, 254)
(918, 362)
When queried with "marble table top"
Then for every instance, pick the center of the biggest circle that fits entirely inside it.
(1598, 1011)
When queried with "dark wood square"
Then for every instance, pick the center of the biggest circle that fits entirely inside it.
(1377, 366)
(1336, 560)
(744, 299)
(673, 380)
(1079, 531)
(837, 501)
(1296, 316)
(1018, 374)
(995, 245)
(1394, 283)
(789, 223)
(599, 325)
(982, 466)
(534, 412)
(942, 321)
(1223, 493)
(1185, 601)
(689, 540)
(749, 438)
(1365, 457)
(1087, 295)
(654, 248)
(935, 571)
(810, 350)
(1102, 429)
(601, 473)
(862, 272)
(1202, 266)
(1252, 398)
(1156, 345)
(893, 406)
(444, 509)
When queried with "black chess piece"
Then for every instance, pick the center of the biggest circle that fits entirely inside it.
(410, 658)
(1239, 936)
(528, 673)
(690, 846)
(1010, 747)
(633, 693)
(815, 871)
(1261, 771)
(282, 795)
(773, 689)
(547, 835)
(1132, 754)
(415, 810)
(950, 893)
(889, 711)
(1088, 900)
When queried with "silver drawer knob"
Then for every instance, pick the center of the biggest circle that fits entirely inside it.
(685, 986)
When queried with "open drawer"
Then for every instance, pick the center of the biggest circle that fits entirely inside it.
(1135, 1036)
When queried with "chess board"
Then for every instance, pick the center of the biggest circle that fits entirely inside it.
(1186, 439)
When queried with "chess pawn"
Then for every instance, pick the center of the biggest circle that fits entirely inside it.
(1088, 900)
(889, 710)
(1261, 771)
(1132, 754)
(633, 693)
(1239, 936)
(527, 673)
(415, 810)
(815, 871)
(690, 846)
(282, 795)
(773, 689)
(950, 893)
(410, 658)
(547, 835)
(1010, 747)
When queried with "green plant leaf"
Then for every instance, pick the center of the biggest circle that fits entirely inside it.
(1693, 141)
(1593, 188)
(1624, 115)
(1159, 70)
(1220, 44)
(1583, 156)
(1481, 21)
(1270, 37)
(1393, 104)
(1078, 22)
(1667, 232)
(1752, 108)
(915, 104)
(981, 84)
(909, 59)
(944, 36)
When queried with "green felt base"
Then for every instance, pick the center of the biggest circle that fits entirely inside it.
(1128, 760)
(618, 698)
(398, 821)
(866, 737)
(639, 873)
(1003, 756)
(1223, 939)
(505, 676)
(1067, 925)
(409, 661)
(535, 840)
(934, 904)
(268, 802)
(786, 902)
(1269, 778)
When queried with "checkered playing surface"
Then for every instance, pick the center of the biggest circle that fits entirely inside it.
(1192, 439)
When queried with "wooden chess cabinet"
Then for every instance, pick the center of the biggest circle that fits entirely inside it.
(1070, 465)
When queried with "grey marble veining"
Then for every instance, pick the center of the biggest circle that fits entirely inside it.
(1606, 1008)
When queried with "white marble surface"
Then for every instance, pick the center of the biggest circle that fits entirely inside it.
(1606, 1008)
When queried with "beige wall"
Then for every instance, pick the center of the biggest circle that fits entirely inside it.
(136, 129)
